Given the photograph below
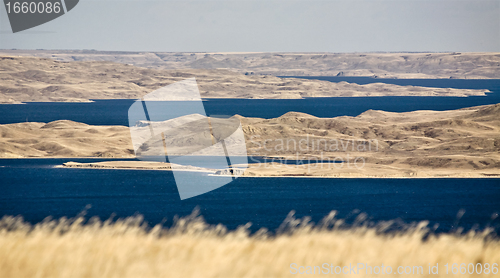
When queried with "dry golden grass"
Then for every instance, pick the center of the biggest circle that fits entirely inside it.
(191, 248)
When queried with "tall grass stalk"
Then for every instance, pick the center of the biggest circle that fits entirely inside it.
(192, 248)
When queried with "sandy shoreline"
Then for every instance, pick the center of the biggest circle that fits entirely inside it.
(280, 171)
(134, 165)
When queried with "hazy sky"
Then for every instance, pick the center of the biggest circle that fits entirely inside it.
(270, 25)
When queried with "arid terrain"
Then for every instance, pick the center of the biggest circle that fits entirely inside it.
(28, 79)
(458, 143)
(64, 139)
(382, 65)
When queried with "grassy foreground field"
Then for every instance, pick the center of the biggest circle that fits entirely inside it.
(191, 248)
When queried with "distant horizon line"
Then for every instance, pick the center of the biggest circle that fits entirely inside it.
(246, 52)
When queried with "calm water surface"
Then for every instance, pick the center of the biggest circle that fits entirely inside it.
(34, 189)
(114, 112)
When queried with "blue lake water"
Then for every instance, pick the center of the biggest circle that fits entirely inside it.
(114, 112)
(438, 83)
(34, 189)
